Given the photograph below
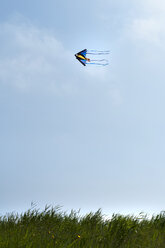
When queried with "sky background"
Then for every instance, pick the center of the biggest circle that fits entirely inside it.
(82, 137)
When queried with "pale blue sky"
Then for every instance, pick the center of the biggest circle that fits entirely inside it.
(82, 137)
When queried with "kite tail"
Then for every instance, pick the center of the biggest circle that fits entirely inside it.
(97, 52)
(102, 62)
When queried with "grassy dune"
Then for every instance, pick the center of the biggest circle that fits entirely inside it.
(53, 228)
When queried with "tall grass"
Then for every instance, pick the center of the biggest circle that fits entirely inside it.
(54, 228)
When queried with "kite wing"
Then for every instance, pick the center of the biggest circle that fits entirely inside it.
(82, 61)
(83, 53)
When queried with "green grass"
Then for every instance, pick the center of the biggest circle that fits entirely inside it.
(54, 228)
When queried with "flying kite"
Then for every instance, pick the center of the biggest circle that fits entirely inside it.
(81, 56)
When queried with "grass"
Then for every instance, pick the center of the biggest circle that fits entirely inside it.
(54, 228)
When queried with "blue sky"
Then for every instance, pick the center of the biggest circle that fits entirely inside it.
(82, 137)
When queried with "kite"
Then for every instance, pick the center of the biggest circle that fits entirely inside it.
(81, 56)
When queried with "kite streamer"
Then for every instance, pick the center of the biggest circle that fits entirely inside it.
(97, 52)
(102, 62)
